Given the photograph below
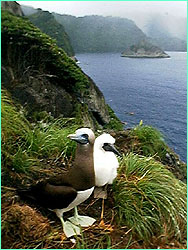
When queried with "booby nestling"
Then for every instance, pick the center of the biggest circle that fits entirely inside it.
(71, 188)
(105, 165)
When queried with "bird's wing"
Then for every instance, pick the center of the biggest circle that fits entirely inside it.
(61, 180)
(51, 196)
(59, 196)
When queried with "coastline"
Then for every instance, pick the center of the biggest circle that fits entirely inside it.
(146, 56)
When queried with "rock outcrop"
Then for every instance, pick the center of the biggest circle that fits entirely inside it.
(144, 49)
(13, 7)
(43, 78)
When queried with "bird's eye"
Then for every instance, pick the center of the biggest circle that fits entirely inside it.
(106, 144)
(85, 136)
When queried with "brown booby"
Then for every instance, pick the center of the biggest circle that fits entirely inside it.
(71, 188)
(105, 165)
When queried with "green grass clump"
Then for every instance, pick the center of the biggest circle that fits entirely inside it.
(150, 141)
(14, 129)
(47, 140)
(14, 126)
(149, 199)
(23, 144)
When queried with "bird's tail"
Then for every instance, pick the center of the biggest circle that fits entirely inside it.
(25, 193)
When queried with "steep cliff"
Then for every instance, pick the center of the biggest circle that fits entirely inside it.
(43, 78)
(46, 22)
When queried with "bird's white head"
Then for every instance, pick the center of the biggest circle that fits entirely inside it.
(105, 143)
(83, 136)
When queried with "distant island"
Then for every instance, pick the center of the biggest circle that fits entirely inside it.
(144, 49)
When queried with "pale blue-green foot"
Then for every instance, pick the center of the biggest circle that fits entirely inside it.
(83, 221)
(69, 228)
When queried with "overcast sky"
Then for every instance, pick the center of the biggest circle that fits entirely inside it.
(127, 9)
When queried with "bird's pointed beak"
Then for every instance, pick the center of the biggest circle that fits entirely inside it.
(111, 147)
(78, 138)
(71, 136)
(114, 150)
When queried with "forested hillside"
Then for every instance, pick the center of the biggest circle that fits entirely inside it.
(100, 34)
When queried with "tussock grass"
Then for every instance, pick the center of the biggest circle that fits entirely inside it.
(14, 126)
(151, 141)
(51, 139)
(149, 199)
(23, 144)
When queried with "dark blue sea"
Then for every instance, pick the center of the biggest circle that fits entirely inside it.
(152, 90)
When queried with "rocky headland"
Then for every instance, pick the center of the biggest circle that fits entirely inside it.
(41, 77)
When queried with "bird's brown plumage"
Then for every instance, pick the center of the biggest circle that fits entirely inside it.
(60, 191)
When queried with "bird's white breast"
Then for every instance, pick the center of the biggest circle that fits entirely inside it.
(81, 197)
(105, 165)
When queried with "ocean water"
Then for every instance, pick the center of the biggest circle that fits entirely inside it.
(152, 90)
